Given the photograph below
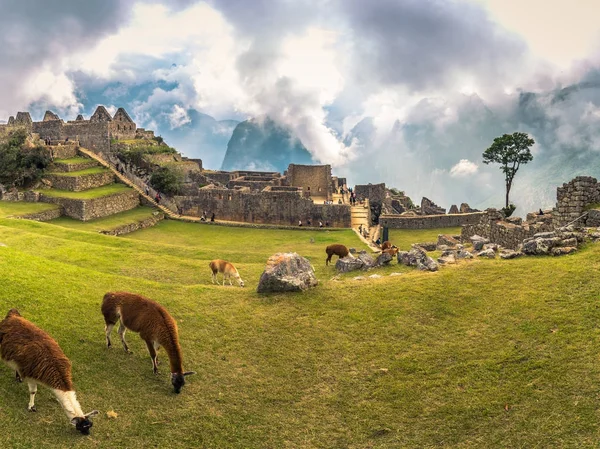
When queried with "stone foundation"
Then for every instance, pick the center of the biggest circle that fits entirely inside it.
(46, 215)
(132, 227)
(74, 167)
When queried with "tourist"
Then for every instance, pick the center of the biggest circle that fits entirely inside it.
(326, 224)
(541, 212)
(212, 217)
(378, 241)
(308, 222)
(147, 190)
(339, 201)
(157, 198)
(299, 222)
(320, 224)
(360, 228)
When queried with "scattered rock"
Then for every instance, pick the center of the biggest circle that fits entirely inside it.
(540, 245)
(375, 276)
(489, 253)
(478, 242)
(464, 254)
(395, 274)
(561, 251)
(427, 246)
(442, 247)
(383, 259)
(348, 263)
(359, 278)
(447, 240)
(427, 265)
(352, 250)
(447, 260)
(493, 246)
(569, 242)
(287, 272)
(595, 237)
(510, 254)
(544, 235)
(366, 259)
(449, 252)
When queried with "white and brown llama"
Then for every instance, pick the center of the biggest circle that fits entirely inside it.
(228, 270)
(37, 359)
(154, 324)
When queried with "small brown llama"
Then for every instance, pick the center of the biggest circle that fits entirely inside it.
(335, 249)
(228, 270)
(37, 359)
(154, 324)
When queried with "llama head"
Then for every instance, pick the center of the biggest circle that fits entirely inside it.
(84, 424)
(178, 380)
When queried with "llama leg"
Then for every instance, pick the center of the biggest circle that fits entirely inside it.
(223, 279)
(214, 278)
(156, 347)
(108, 329)
(152, 352)
(18, 377)
(32, 391)
(122, 330)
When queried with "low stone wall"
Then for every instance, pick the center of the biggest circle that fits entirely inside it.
(428, 221)
(46, 215)
(80, 183)
(505, 234)
(132, 227)
(86, 210)
(15, 195)
(74, 167)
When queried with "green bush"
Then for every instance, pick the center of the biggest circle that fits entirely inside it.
(167, 179)
(21, 166)
(508, 211)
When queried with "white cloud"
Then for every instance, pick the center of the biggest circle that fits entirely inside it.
(463, 169)
(178, 117)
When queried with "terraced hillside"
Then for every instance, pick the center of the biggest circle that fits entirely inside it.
(488, 353)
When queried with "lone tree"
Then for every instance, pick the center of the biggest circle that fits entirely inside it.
(510, 151)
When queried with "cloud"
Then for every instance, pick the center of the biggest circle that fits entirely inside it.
(464, 168)
(178, 117)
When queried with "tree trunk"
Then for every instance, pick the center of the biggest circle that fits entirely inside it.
(508, 186)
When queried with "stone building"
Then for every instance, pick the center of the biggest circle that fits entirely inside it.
(315, 180)
(94, 134)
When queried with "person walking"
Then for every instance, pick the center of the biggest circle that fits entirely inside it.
(212, 217)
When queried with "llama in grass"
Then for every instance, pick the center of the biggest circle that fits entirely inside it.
(154, 324)
(336, 249)
(37, 359)
(228, 270)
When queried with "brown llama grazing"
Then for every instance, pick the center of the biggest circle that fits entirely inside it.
(337, 249)
(37, 359)
(385, 245)
(228, 270)
(154, 324)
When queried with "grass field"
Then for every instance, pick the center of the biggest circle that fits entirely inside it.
(487, 353)
(72, 160)
(16, 209)
(110, 189)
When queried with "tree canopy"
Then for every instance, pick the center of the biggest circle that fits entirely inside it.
(510, 151)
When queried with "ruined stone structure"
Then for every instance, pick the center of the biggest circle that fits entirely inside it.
(428, 207)
(410, 221)
(94, 134)
(375, 193)
(573, 198)
(315, 180)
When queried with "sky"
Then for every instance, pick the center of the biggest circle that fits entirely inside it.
(433, 79)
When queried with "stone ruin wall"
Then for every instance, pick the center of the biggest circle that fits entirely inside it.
(428, 221)
(376, 193)
(573, 198)
(274, 207)
(314, 179)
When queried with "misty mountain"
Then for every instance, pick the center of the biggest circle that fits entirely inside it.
(202, 137)
(265, 146)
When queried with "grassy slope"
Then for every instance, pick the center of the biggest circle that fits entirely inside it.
(8, 208)
(89, 171)
(107, 223)
(73, 160)
(403, 239)
(483, 354)
(110, 189)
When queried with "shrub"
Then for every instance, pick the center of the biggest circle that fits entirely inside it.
(158, 139)
(21, 166)
(134, 154)
(167, 179)
(508, 211)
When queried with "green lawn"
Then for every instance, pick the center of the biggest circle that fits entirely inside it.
(110, 189)
(107, 223)
(89, 171)
(487, 353)
(404, 238)
(73, 160)
(8, 208)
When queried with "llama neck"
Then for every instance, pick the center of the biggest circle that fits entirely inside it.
(175, 359)
(69, 402)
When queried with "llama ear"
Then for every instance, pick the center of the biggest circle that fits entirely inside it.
(189, 373)
(90, 414)
(74, 421)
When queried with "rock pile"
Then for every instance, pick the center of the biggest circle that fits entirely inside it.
(417, 257)
(563, 241)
